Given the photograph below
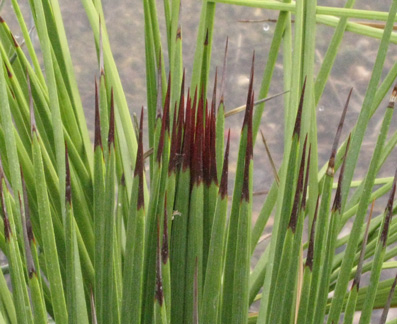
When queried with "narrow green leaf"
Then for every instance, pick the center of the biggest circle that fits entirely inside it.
(47, 229)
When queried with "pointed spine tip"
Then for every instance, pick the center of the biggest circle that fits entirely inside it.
(249, 149)
(223, 185)
(337, 205)
(331, 163)
(299, 188)
(297, 128)
(16, 44)
(356, 284)
(250, 98)
(139, 165)
(111, 121)
(245, 192)
(250, 145)
(213, 171)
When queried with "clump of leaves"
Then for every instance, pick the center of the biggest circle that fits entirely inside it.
(109, 233)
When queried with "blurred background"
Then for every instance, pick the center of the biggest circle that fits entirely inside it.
(353, 68)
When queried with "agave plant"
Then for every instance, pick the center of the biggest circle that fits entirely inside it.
(108, 232)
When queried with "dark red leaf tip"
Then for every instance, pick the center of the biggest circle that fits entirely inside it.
(1, 19)
(111, 121)
(393, 98)
(7, 228)
(8, 71)
(246, 189)
(355, 284)
(250, 146)
(179, 33)
(213, 171)
(388, 213)
(225, 170)
(139, 165)
(16, 44)
(299, 188)
(297, 128)
(98, 139)
(310, 249)
(306, 184)
(331, 162)
(249, 150)
(206, 38)
(250, 102)
(337, 205)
